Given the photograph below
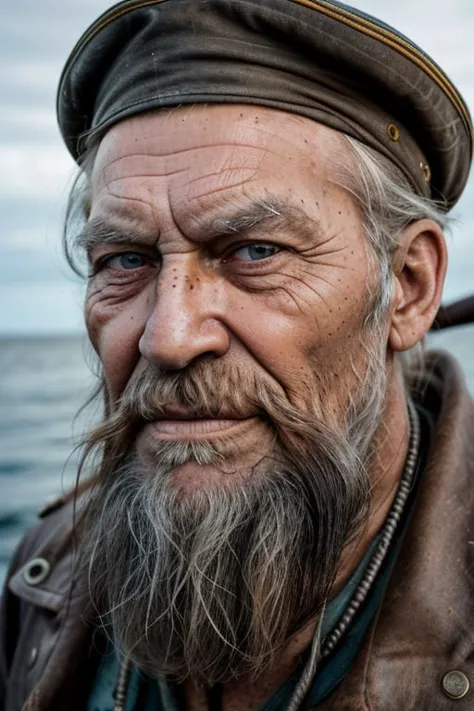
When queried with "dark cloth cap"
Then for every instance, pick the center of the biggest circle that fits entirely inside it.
(317, 58)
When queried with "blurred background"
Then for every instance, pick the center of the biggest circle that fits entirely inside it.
(44, 371)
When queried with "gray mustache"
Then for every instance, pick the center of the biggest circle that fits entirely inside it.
(205, 390)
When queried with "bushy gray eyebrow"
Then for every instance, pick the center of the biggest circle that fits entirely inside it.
(273, 212)
(98, 231)
(267, 212)
(249, 217)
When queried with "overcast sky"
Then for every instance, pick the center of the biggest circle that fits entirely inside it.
(37, 293)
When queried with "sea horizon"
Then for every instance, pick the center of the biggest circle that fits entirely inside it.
(44, 381)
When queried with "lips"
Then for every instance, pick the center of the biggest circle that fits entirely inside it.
(189, 428)
(195, 427)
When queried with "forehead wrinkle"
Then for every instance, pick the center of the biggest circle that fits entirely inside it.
(141, 212)
(143, 174)
(124, 200)
(180, 152)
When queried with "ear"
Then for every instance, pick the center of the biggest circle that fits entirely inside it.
(419, 265)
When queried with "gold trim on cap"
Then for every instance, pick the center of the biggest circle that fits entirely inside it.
(401, 45)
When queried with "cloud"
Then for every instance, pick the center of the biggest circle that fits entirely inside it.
(21, 240)
(443, 30)
(36, 38)
(37, 75)
(29, 124)
(34, 170)
(41, 308)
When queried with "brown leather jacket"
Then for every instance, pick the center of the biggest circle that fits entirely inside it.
(424, 628)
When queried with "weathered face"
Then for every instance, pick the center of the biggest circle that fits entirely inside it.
(218, 234)
(228, 292)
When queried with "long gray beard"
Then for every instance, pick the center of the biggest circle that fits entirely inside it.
(212, 585)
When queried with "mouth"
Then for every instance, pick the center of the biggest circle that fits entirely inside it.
(186, 427)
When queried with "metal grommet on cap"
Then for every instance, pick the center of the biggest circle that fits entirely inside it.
(455, 684)
(36, 570)
(393, 131)
(426, 171)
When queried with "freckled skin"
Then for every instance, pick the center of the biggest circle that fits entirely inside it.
(279, 316)
(295, 317)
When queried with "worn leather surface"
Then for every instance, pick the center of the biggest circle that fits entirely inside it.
(297, 56)
(424, 628)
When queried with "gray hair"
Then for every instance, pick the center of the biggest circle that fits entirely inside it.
(387, 204)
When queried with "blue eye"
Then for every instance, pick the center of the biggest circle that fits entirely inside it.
(126, 261)
(256, 252)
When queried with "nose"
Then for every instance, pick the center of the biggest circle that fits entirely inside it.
(186, 321)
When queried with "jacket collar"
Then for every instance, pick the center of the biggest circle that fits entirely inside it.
(62, 592)
(423, 628)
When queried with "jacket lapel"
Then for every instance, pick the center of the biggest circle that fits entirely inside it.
(424, 628)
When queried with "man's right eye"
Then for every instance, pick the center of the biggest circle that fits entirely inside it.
(125, 261)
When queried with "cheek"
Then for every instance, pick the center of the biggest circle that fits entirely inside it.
(314, 350)
(115, 326)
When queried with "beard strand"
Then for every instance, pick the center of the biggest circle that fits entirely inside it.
(211, 586)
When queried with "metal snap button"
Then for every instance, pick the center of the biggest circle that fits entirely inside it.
(393, 132)
(36, 571)
(455, 684)
(426, 171)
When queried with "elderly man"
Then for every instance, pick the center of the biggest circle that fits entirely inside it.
(276, 511)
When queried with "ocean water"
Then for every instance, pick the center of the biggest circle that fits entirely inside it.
(43, 383)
